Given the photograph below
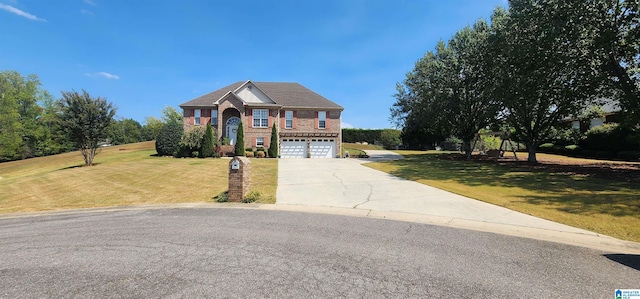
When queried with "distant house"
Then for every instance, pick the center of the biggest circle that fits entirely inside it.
(308, 123)
(611, 109)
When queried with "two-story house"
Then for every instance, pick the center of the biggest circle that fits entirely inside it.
(308, 123)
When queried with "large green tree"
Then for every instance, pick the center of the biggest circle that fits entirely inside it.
(449, 90)
(19, 111)
(86, 120)
(542, 73)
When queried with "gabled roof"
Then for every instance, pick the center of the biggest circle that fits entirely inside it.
(285, 94)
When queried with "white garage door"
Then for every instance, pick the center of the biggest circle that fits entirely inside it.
(293, 148)
(323, 148)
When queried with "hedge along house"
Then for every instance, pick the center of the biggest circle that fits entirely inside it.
(308, 123)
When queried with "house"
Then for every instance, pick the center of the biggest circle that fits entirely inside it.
(606, 110)
(308, 124)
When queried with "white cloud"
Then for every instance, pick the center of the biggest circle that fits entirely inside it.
(86, 12)
(21, 13)
(90, 2)
(345, 125)
(103, 75)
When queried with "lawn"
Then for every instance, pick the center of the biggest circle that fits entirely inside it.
(123, 175)
(356, 149)
(610, 207)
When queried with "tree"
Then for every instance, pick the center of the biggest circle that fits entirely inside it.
(390, 138)
(168, 139)
(541, 69)
(207, 143)
(19, 111)
(273, 144)
(86, 120)
(448, 92)
(125, 130)
(239, 146)
(152, 127)
(171, 115)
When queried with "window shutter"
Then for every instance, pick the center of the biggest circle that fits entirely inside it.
(270, 119)
(295, 119)
(326, 122)
(191, 116)
(254, 141)
(250, 116)
(316, 122)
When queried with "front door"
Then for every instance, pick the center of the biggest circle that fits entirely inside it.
(232, 129)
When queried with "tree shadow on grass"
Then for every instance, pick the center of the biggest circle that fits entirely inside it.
(629, 260)
(79, 166)
(565, 191)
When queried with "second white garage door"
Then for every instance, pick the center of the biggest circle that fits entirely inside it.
(293, 148)
(323, 148)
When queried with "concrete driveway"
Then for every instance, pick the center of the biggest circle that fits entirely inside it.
(346, 184)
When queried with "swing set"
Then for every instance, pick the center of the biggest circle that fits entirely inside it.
(499, 153)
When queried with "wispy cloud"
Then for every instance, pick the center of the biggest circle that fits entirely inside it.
(345, 125)
(86, 12)
(21, 13)
(103, 75)
(90, 2)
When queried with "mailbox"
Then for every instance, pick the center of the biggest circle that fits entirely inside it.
(235, 164)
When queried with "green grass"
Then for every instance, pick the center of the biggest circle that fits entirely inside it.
(607, 207)
(123, 175)
(358, 149)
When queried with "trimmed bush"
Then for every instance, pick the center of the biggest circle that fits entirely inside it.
(248, 149)
(249, 154)
(190, 143)
(260, 154)
(629, 155)
(239, 146)
(273, 144)
(545, 148)
(206, 149)
(168, 139)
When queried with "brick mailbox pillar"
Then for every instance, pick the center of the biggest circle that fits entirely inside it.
(239, 178)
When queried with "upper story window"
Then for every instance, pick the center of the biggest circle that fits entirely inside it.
(214, 117)
(196, 116)
(322, 119)
(260, 118)
(288, 119)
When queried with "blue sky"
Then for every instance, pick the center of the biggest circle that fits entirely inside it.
(144, 55)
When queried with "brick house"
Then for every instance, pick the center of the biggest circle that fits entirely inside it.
(308, 124)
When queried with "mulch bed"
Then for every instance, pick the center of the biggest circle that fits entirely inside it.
(615, 171)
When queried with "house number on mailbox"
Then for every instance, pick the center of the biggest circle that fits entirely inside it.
(235, 164)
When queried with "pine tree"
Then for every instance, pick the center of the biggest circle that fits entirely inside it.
(207, 143)
(273, 145)
(239, 147)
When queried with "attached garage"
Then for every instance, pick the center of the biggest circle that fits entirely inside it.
(323, 148)
(293, 148)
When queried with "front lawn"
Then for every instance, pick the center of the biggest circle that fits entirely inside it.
(575, 195)
(123, 175)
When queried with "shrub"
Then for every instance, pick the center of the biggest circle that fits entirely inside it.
(168, 139)
(260, 149)
(206, 150)
(390, 138)
(251, 197)
(239, 147)
(248, 149)
(360, 135)
(249, 154)
(629, 155)
(273, 144)
(546, 148)
(191, 142)
(605, 154)
(260, 154)
(608, 137)
(222, 197)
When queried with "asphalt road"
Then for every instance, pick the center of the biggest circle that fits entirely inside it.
(250, 253)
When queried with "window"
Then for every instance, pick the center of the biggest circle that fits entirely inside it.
(214, 118)
(322, 119)
(260, 142)
(260, 118)
(196, 116)
(288, 119)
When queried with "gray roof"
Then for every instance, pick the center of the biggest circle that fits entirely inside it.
(285, 94)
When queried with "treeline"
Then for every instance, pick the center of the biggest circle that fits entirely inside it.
(31, 123)
(535, 65)
(389, 138)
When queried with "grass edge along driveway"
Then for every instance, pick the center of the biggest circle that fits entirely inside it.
(124, 175)
(607, 207)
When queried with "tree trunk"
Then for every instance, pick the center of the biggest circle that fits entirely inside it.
(532, 147)
(466, 148)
